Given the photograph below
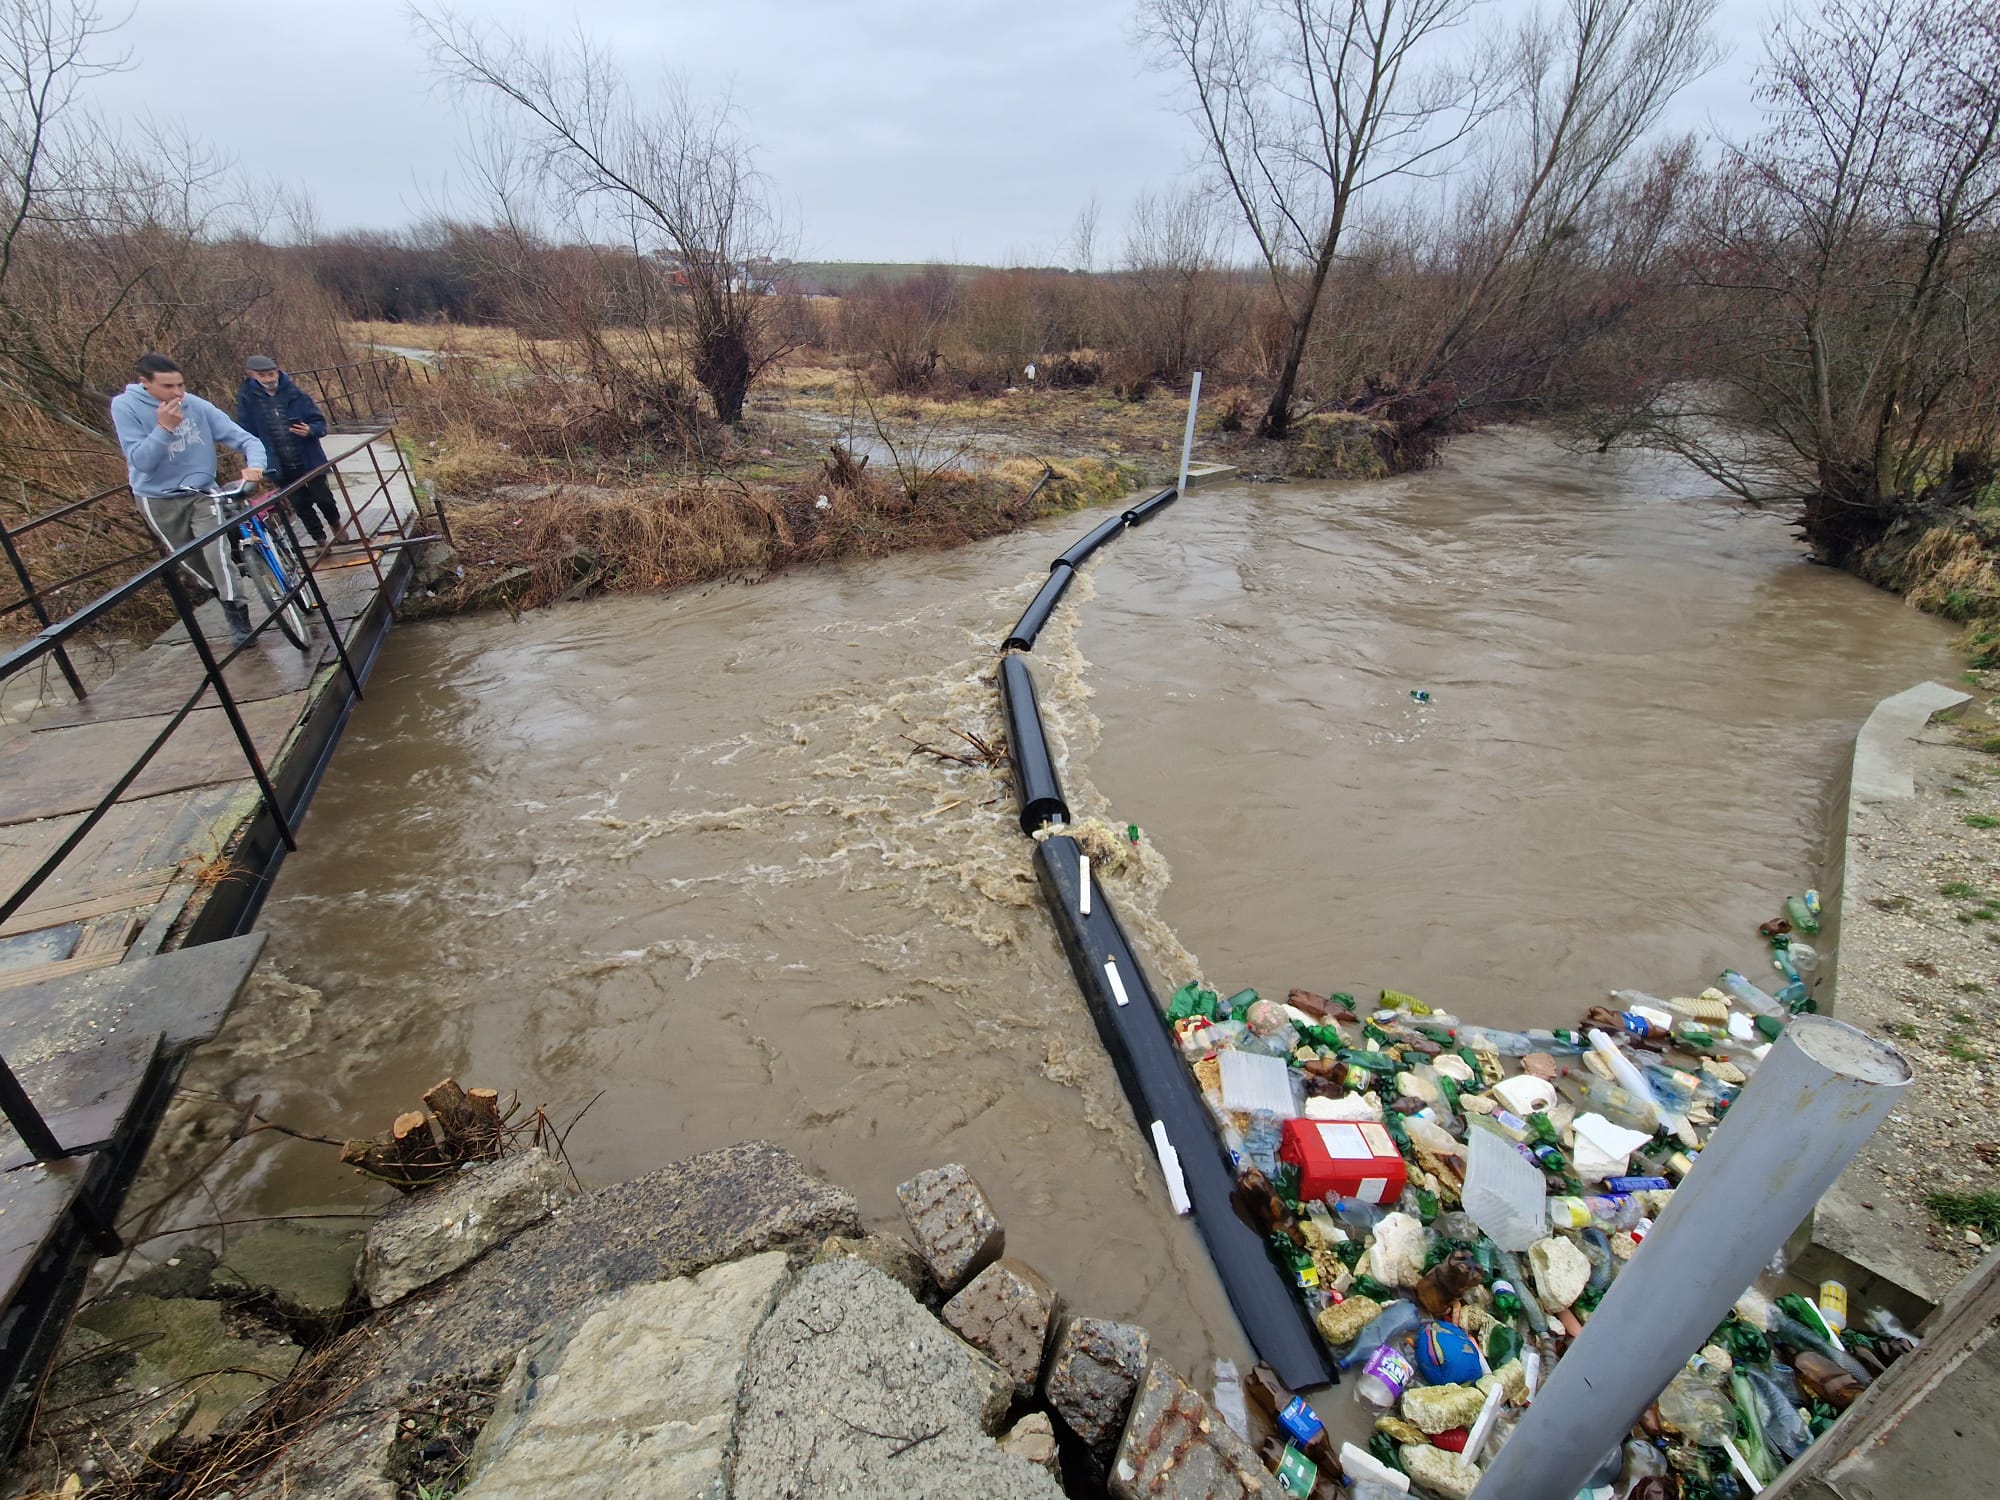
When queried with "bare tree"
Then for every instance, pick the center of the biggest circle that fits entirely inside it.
(676, 182)
(112, 243)
(1845, 270)
(1591, 79)
(50, 149)
(1306, 105)
(1178, 306)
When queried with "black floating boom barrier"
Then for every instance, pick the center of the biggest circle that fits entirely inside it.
(1036, 615)
(1088, 544)
(1035, 784)
(1171, 1112)
(1129, 1018)
(1145, 510)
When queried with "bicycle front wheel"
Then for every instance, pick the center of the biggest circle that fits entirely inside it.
(271, 585)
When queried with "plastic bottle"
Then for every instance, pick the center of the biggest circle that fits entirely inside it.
(1628, 1075)
(1523, 1292)
(1612, 1211)
(1384, 1378)
(1697, 1410)
(1229, 1397)
(1261, 1141)
(1890, 1326)
(1784, 1430)
(1826, 1381)
(1740, 988)
(1395, 1320)
(1593, 1095)
(1506, 1043)
(1803, 911)
(1673, 1089)
(1556, 1043)
(1833, 1306)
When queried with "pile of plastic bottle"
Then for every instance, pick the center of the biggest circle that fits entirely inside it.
(1452, 1201)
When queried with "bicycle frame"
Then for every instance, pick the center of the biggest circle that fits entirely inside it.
(251, 529)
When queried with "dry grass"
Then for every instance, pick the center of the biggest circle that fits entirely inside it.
(575, 540)
(1952, 573)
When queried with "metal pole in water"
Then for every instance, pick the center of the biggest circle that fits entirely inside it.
(1187, 441)
(1822, 1090)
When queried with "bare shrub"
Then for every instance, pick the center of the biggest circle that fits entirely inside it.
(673, 187)
(1175, 305)
(905, 323)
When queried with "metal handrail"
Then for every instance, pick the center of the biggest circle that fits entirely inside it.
(305, 589)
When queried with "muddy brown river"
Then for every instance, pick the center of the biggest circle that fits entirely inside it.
(683, 854)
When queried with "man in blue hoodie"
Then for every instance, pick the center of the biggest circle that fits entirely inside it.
(169, 438)
(271, 405)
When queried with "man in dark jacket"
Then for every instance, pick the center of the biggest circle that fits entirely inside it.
(284, 416)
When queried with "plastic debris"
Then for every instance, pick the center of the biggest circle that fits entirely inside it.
(1452, 1201)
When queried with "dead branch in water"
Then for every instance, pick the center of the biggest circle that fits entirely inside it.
(985, 754)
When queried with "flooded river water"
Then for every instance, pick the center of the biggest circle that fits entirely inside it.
(684, 853)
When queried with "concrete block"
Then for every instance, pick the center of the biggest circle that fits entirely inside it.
(435, 1232)
(1177, 1447)
(956, 1230)
(1006, 1313)
(1093, 1372)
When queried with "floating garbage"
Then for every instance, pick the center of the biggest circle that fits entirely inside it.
(1452, 1202)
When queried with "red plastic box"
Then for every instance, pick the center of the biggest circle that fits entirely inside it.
(1353, 1161)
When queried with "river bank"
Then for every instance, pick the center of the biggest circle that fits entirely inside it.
(722, 1325)
(1919, 949)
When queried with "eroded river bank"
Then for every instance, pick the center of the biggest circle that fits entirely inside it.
(685, 851)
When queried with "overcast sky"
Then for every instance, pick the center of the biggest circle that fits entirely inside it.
(892, 129)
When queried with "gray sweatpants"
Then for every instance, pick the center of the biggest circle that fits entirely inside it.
(177, 520)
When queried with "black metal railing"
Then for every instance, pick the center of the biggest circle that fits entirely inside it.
(362, 391)
(375, 531)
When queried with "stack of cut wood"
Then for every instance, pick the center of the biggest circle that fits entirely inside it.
(456, 1126)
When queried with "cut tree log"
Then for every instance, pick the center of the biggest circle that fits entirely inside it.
(457, 1126)
(409, 1158)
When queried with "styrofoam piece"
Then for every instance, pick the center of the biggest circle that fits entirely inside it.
(1251, 1081)
(1603, 1149)
(1354, 1108)
(1359, 1463)
(1504, 1191)
(1117, 984)
(1525, 1094)
(1082, 884)
(1170, 1168)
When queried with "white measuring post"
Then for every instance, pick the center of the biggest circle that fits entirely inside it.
(1822, 1090)
(1187, 439)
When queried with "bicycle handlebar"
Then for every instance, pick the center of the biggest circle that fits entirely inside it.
(234, 491)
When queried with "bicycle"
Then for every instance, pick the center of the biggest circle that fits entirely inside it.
(262, 557)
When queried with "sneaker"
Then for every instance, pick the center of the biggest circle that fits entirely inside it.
(237, 614)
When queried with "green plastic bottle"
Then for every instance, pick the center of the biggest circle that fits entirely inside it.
(1803, 917)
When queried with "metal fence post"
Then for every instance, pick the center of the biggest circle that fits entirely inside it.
(35, 603)
(25, 1118)
(310, 584)
(228, 701)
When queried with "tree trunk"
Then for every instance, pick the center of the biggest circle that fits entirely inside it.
(1278, 415)
(723, 368)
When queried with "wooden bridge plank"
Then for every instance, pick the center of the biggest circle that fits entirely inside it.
(55, 771)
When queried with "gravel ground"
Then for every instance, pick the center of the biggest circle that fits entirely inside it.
(1919, 964)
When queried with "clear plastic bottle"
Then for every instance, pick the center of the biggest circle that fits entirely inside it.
(1506, 1043)
(1261, 1140)
(1738, 987)
(1229, 1398)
